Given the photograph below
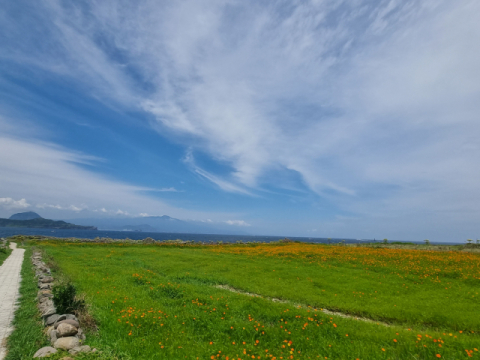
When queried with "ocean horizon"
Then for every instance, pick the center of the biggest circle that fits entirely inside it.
(203, 238)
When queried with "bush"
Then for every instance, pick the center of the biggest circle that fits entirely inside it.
(66, 300)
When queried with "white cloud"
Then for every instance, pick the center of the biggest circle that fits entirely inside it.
(50, 178)
(373, 104)
(221, 183)
(170, 189)
(237, 222)
(10, 203)
(77, 208)
(44, 206)
(59, 207)
(315, 88)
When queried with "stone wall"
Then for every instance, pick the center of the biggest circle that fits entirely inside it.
(63, 330)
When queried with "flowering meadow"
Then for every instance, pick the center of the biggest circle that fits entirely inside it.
(190, 302)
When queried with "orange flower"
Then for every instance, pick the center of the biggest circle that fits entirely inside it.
(438, 355)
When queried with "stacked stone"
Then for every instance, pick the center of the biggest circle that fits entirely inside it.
(64, 330)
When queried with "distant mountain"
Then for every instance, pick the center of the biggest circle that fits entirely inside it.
(41, 223)
(29, 215)
(160, 224)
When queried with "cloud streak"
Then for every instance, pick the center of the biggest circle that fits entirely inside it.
(51, 179)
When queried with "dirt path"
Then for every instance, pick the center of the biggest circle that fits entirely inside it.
(9, 285)
(325, 311)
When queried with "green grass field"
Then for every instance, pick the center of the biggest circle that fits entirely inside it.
(4, 254)
(162, 302)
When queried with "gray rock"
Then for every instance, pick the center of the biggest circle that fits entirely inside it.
(43, 286)
(45, 293)
(43, 299)
(53, 337)
(65, 329)
(66, 343)
(80, 349)
(46, 312)
(47, 308)
(46, 279)
(80, 335)
(45, 351)
(67, 321)
(52, 318)
(46, 303)
(71, 317)
(60, 318)
(49, 330)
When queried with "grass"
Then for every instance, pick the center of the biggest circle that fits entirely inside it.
(161, 302)
(4, 254)
(28, 335)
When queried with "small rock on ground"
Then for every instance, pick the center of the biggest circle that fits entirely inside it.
(71, 322)
(67, 343)
(80, 349)
(45, 351)
(71, 317)
(51, 319)
(53, 337)
(65, 329)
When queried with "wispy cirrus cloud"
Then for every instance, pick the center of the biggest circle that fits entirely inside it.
(50, 178)
(310, 87)
(373, 104)
(223, 184)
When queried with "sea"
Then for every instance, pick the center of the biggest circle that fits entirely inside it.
(140, 235)
(202, 238)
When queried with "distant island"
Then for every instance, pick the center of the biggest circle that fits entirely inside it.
(28, 215)
(31, 219)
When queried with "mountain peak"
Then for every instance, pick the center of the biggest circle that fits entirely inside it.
(29, 215)
(163, 217)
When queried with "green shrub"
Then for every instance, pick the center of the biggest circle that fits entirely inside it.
(66, 300)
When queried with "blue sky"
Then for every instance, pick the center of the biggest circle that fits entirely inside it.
(317, 118)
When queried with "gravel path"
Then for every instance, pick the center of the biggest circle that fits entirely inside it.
(9, 285)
